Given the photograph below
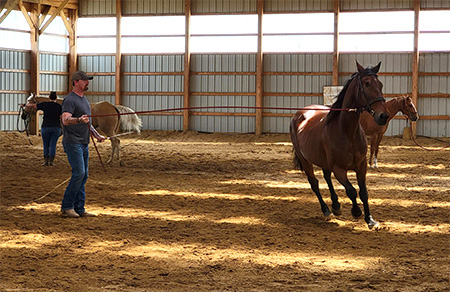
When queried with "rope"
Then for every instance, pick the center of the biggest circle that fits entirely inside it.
(227, 107)
(424, 148)
(40, 198)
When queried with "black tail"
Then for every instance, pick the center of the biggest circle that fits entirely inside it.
(293, 130)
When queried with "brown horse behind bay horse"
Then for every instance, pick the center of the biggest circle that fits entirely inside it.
(400, 104)
(336, 142)
(112, 124)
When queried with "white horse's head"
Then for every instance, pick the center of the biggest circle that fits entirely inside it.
(31, 98)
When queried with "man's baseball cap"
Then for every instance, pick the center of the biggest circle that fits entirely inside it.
(81, 75)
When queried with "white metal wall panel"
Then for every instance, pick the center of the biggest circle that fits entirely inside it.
(153, 7)
(156, 102)
(432, 106)
(53, 63)
(353, 5)
(154, 83)
(153, 63)
(101, 83)
(97, 8)
(212, 83)
(19, 81)
(292, 6)
(223, 6)
(312, 84)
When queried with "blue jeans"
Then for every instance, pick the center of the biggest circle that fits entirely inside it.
(50, 136)
(75, 195)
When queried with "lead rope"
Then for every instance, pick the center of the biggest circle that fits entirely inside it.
(424, 148)
(95, 146)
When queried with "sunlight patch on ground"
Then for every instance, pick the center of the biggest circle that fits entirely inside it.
(412, 165)
(409, 203)
(220, 196)
(135, 213)
(186, 254)
(394, 227)
(442, 228)
(269, 183)
(29, 240)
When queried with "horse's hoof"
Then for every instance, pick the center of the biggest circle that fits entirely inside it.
(327, 215)
(373, 225)
(337, 212)
(357, 214)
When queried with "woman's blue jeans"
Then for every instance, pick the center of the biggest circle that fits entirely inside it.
(50, 136)
(75, 195)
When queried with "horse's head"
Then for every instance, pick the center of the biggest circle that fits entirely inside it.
(30, 100)
(370, 95)
(408, 108)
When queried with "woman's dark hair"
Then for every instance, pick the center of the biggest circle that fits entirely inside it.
(53, 95)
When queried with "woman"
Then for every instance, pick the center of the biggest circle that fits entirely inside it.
(51, 127)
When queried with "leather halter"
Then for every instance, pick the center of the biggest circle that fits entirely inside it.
(367, 108)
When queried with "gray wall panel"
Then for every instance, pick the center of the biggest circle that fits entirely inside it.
(153, 7)
(223, 6)
(97, 7)
(153, 63)
(376, 4)
(291, 6)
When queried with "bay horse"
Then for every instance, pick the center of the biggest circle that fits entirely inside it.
(335, 141)
(402, 104)
(109, 125)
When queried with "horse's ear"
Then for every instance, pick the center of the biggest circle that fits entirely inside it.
(360, 68)
(376, 68)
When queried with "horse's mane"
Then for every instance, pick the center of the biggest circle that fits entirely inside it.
(340, 98)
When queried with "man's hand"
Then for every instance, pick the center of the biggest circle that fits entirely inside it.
(84, 119)
(100, 138)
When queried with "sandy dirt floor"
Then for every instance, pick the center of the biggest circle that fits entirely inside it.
(216, 212)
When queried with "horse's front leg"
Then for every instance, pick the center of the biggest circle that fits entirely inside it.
(341, 176)
(335, 206)
(364, 196)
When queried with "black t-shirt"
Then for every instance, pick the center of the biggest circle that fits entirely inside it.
(52, 112)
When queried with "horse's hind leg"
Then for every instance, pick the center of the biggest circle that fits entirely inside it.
(114, 145)
(335, 206)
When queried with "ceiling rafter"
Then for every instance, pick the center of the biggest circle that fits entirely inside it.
(9, 5)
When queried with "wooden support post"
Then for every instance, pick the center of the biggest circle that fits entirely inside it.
(118, 88)
(335, 46)
(415, 64)
(73, 18)
(34, 65)
(259, 71)
(187, 66)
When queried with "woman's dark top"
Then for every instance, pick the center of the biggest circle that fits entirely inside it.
(52, 112)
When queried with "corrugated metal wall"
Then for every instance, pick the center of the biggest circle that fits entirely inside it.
(147, 88)
(432, 86)
(309, 87)
(203, 87)
(18, 81)
(291, 6)
(223, 6)
(352, 5)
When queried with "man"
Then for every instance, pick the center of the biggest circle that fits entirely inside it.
(76, 131)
